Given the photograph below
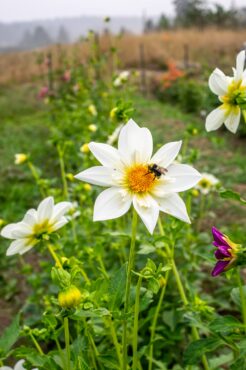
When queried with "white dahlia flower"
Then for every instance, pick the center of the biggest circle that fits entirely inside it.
(36, 225)
(128, 174)
(229, 90)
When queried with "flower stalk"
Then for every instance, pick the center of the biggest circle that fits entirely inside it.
(182, 293)
(67, 341)
(242, 297)
(63, 172)
(128, 286)
(153, 326)
(54, 255)
(135, 326)
(39, 349)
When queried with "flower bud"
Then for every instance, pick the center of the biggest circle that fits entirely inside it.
(69, 298)
(92, 110)
(61, 277)
(20, 158)
(87, 187)
(70, 177)
(92, 128)
(112, 113)
(85, 148)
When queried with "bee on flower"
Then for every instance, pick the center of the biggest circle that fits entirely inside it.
(207, 183)
(121, 79)
(134, 176)
(18, 366)
(37, 225)
(231, 92)
(92, 110)
(228, 253)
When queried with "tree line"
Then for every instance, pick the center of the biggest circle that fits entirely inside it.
(197, 13)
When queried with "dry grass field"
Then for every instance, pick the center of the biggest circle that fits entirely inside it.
(209, 47)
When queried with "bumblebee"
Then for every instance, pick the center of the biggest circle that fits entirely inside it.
(156, 170)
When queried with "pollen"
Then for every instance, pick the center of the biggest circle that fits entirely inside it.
(139, 179)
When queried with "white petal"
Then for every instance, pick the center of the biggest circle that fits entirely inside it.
(135, 144)
(174, 206)
(63, 221)
(30, 217)
(22, 230)
(107, 155)
(184, 177)
(166, 154)
(148, 210)
(19, 365)
(215, 119)
(45, 209)
(18, 246)
(111, 203)
(218, 82)
(6, 232)
(240, 65)
(5, 368)
(60, 209)
(233, 119)
(98, 175)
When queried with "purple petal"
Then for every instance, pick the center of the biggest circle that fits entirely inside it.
(223, 251)
(219, 255)
(218, 236)
(223, 245)
(219, 267)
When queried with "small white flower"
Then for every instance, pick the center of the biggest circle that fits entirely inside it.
(121, 78)
(18, 366)
(126, 172)
(74, 211)
(228, 90)
(47, 219)
(207, 183)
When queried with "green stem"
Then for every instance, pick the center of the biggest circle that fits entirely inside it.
(63, 173)
(128, 286)
(242, 297)
(135, 326)
(153, 326)
(103, 269)
(36, 344)
(67, 341)
(61, 353)
(95, 352)
(36, 177)
(115, 341)
(244, 115)
(54, 255)
(181, 290)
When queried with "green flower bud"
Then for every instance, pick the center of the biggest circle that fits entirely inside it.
(70, 298)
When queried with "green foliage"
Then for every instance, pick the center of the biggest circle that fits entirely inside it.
(10, 336)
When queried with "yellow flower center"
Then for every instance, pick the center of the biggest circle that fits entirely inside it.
(139, 179)
(204, 183)
(235, 89)
(39, 229)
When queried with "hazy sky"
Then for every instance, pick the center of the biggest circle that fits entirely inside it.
(14, 10)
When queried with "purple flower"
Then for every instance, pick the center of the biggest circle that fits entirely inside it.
(226, 252)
